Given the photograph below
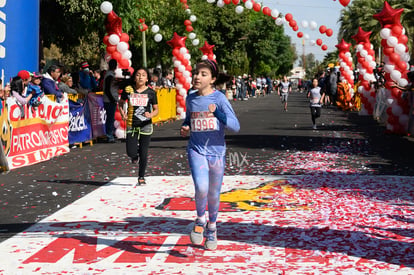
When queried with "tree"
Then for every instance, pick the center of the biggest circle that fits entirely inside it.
(249, 42)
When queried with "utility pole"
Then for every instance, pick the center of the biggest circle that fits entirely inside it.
(144, 50)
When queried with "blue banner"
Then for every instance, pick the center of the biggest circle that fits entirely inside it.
(79, 122)
(19, 37)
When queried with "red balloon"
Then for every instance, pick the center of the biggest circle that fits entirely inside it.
(300, 34)
(110, 49)
(123, 63)
(267, 11)
(396, 30)
(106, 40)
(293, 23)
(403, 39)
(322, 29)
(189, 28)
(295, 28)
(124, 37)
(257, 7)
(394, 58)
(402, 65)
(288, 17)
(176, 52)
(344, 2)
(117, 56)
(187, 22)
(236, 2)
(131, 70)
(329, 32)
(227, 2)
(324, 47)
(319, 42)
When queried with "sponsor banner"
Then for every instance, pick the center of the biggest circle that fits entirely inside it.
(80, 129)
(98, 114)
(324, 224)
(31, 135)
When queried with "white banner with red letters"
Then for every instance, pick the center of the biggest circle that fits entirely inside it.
(32, 135)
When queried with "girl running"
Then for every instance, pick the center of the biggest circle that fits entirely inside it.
(208, 114)
(316, 100)
(142, 107)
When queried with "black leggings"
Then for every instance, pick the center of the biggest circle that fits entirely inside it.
(315, 112)
(137, 146)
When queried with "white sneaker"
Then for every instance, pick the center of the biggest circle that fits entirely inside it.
(314, 126)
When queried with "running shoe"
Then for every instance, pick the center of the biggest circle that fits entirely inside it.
(141, 181)
(314, 126)
(197, 234)
(211, 239)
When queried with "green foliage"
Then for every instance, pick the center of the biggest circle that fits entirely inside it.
(244, 43)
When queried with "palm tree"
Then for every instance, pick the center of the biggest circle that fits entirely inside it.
(360, 14)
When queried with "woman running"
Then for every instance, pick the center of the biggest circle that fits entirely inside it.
(208, 114)
(142, 107)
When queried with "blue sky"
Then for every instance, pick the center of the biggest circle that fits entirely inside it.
(323, 12)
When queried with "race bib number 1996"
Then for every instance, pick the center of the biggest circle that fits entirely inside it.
(203, 122)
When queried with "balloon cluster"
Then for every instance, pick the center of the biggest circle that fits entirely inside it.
(396, 59)
(207, 51)
(188, 23)
(182, 68)
(344, 2)
(346, 65)
(366, 65)
(116, 41)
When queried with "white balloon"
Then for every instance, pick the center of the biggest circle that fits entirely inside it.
(403, 82)
(187, 56)
(385, 33)
(388, 68)
(204, 57)
(249, 5)
(177, 63)
(114, 39)
(403, 120)
(211, 1)
(188, 11)
(181, 68)
(193, 18)
(348, 54)
(182, 115)
(306, 36)
(127, 54)
(400, 49)
(196, 42)
(220, 3)
(122, 47)
(106, 7)
(313, 25)
(279, 21)
(158, 37)
(120, 133)
(182, 92)
(192, 35)
(312, 42)
(186, 74)
(392, 41)
(155, 28)
(368, 58)
(390, 101)
(364, 53)
(359, 47)
(373, 64)
(395, 75)
(305, 24)
(406, 57)
(179, 86)
(239, 9)
(180, 110)
(275, 13)
(183, 50)
(396, 110)
(118, 73)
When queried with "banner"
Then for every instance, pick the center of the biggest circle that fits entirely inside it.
(98, 114)
(79, 123)
(32, 135)
(19, 37)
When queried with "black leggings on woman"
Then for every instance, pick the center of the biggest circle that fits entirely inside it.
(137, 145)
(315, 112)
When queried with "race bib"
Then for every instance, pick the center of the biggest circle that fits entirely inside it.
(139, 100)
(203, 122)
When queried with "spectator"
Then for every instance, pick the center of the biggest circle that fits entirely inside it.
(49, 82)
(35, 89)
(66, 83)
(110, 99)
(87, 82)
(167, 79)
